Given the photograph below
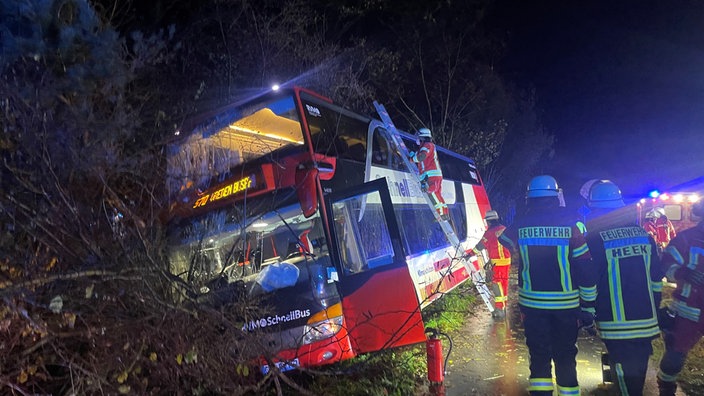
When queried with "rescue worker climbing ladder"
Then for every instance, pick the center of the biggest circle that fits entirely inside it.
(400, 147)
(429, 171)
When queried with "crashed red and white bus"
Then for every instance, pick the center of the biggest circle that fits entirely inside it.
(306, 205)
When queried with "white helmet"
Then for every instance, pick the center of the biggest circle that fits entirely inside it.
(425, 133)
(653, 214)
(491, 215)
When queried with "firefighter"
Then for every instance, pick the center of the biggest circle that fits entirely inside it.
(626, 269)
(426, 158)
(683, 263)
(499, 262)
(551, 248)
(660, 227)
(649, 225)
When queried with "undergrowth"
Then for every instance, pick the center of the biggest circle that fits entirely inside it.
(400, 371)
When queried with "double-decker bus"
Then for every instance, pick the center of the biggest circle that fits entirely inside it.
(308, 207)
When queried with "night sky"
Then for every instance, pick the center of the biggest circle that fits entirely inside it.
(620, 83)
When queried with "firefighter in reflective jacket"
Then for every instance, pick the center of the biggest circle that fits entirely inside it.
(660, 227)
(500, 262)
(552, 249)
(426, 158)
(626, 270)
(683, 261)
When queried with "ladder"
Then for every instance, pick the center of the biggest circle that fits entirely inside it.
(400, 147)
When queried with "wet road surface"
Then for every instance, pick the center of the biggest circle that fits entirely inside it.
(489, 358)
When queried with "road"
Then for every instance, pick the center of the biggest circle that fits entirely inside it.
(489, 358)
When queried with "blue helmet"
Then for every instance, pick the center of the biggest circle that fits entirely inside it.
(605, 194)
(543, 186)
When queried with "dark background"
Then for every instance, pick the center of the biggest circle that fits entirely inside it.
(620, 84)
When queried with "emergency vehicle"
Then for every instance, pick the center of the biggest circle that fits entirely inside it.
(676, 205)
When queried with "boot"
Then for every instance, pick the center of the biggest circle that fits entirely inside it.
(667, 388)
(499, 313)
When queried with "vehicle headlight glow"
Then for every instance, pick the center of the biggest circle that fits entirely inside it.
(321, 330)
(694, 198)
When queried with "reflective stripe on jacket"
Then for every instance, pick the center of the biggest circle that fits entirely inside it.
(550, 247)
(427, 160)
(628, 275)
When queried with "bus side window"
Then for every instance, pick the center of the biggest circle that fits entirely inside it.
(380, 150)
(325, 142)
(396, 160)
(336, 133)
(357, 152)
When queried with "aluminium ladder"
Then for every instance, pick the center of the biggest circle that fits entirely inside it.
(447, 228)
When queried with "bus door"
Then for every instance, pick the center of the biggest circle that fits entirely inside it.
(379, 301)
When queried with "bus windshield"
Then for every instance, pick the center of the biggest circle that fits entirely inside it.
(235, 136)
(279, 250)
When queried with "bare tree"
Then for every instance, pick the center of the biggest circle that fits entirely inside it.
(88, 302)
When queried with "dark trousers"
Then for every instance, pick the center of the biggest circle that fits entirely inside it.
(551, 336)
(629, 364)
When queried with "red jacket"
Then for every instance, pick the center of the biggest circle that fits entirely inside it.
(498, 254)
(427, 160)
(661, 230)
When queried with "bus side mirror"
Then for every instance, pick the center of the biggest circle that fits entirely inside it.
(306, 176)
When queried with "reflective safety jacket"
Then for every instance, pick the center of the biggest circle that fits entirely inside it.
(551, 248)
(628, 275)
(498, 253)
(661, 229)
(427, 160)
(665, 230)
(686, 249)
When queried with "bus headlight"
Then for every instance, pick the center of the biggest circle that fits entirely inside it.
(321, 330)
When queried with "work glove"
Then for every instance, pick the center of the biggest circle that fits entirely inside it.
(424, 186)
(411, 154)
(586, 321)
(489, 272)
(693, 277)
(666, 318)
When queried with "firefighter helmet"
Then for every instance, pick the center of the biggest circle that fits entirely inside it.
(424, 133)
(543, 186)
(491, 215)
(654, 213)
(605, 194)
